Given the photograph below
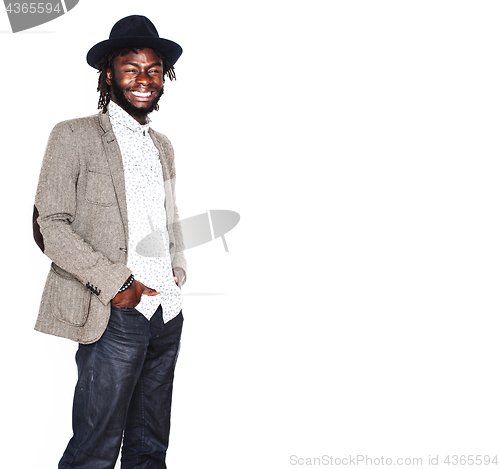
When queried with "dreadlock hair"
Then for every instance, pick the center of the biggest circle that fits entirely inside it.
(107, 62)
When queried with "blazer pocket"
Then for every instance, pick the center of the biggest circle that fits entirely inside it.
(70, 298)
(99, 189)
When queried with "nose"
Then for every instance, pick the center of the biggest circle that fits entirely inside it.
(143, 78)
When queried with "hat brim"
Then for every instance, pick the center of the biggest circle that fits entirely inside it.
(170, 49)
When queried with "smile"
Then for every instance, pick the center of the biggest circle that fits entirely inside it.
(142, 95)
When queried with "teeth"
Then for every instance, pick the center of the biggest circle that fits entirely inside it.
(141, 95)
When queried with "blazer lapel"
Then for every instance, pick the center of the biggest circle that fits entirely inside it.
(115, 164)
(161, 151)
(169, 208)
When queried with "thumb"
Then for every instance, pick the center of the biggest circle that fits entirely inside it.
(150, 292)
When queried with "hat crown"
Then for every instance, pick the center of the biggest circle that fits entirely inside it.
(133, 26)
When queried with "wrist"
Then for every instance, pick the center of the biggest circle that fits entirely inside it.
(126, 285)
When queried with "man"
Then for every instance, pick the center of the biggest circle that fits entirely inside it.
(105, 214)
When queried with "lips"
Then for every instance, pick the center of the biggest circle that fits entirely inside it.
(140, 94)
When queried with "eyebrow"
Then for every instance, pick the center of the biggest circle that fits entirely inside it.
(135, 64)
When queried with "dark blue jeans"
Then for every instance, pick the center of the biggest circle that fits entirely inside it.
(124, 390)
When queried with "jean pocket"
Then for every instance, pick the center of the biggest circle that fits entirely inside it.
(124, 310)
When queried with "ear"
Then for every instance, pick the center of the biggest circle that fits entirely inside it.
(109, 76)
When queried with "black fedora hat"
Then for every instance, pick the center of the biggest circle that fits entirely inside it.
(134, 31)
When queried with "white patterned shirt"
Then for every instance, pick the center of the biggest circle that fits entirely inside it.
(148, 246)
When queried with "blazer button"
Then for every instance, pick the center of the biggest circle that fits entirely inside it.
(93, 289)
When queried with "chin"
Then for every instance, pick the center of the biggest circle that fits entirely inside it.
(129, 107)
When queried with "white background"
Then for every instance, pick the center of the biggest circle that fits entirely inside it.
(357, 308)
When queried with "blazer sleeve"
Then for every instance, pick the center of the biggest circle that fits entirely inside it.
(174, 226)
(56, 203)
(177, 248)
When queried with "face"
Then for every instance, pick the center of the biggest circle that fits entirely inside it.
(136, 81)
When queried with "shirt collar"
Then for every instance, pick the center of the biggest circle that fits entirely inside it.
(118, 116)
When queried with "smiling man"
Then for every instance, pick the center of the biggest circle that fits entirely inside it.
(136, 80)
(107, 183)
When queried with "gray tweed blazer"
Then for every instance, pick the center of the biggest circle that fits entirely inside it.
(82, 217)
